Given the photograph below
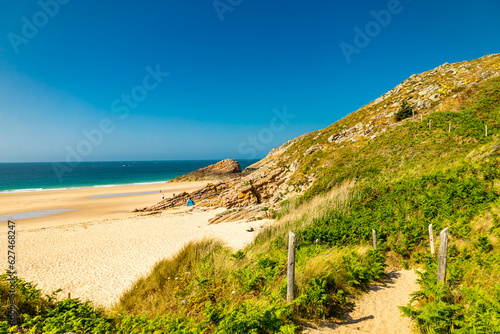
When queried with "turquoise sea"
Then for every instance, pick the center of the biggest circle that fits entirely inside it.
(18, 177)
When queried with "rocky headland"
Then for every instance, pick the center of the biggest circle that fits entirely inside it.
(223, 170)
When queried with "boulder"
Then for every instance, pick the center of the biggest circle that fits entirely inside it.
(434, 97)
(313, 149)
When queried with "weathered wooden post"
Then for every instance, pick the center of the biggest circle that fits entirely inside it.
(443, 255)
(421, 119)
(449, 127)
(374, 237)
(429, 124)
(69, 295)
(431, 238)
(291, 267)
(486, 130)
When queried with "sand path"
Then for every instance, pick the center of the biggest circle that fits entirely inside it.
(99, 260)
(377, 311)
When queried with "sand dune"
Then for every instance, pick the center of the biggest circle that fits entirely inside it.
(99, 260)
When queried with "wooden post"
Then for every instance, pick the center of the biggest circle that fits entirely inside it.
(449, 127)
(486, 130)
(291, 267)
(374, 237)
(420, 118)
(431, 238)
(69, 295)
(443, 255)
(429, 124)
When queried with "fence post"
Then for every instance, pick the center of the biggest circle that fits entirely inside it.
(420, 118)
(374, 237)
(449, 127)
(429, 124)
(443, 255)
(431, 238)
(291, 267)
(486, 130)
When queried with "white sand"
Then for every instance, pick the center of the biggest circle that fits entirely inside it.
(377, 311)
(99, 260)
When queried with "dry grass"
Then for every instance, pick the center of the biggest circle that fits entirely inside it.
(337, 199)
(328, 262)
(154, 292)
(483, 223)
(301, 214)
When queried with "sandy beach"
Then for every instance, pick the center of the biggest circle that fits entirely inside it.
(96, 252)
(84, 207)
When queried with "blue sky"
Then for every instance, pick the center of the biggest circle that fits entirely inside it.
(243, 76)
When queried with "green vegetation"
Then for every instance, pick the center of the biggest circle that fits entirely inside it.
(221, 293)
(396, 183)
(405, 111)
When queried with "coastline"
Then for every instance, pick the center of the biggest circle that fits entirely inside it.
(28, 190)
(41, 176)
(96, 252)
(84, 205)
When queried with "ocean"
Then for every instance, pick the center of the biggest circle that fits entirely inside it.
(21, 177)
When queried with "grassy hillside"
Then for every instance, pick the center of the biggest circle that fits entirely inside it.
(367, 171)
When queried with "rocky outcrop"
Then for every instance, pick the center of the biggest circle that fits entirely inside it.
(245, 198)
(264, 185)
(207, 196)
(313, 149)
(223, 170)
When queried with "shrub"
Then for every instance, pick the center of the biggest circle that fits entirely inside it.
(405, 111)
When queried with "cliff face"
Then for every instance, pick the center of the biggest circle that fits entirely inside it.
(308, 160)
(225, 169)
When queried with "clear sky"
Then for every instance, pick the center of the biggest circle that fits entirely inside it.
(177, 79)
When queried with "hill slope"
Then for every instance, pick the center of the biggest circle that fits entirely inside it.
(332, 187)
(369, 139)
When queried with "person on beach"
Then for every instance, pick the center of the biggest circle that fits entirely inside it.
(172, 205)
(162, 196)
